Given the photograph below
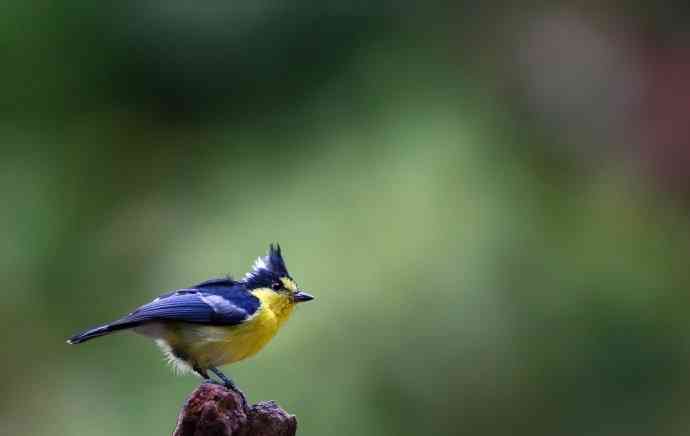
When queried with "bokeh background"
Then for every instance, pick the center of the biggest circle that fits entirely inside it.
(489, 200)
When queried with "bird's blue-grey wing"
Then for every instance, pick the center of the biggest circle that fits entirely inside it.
(192, 307)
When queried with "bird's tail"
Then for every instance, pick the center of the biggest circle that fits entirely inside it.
(98, 331)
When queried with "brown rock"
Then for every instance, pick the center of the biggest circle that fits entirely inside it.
(214, 410)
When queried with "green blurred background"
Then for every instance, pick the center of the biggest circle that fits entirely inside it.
(490, 203)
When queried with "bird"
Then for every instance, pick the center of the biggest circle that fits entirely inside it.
(216, 322)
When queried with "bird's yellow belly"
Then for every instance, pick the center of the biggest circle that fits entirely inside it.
(231, 344)
(208, 346)
(188, 345)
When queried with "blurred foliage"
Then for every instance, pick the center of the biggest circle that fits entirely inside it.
(470, 276)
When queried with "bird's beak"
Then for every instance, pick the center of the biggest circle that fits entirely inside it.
(301, 297)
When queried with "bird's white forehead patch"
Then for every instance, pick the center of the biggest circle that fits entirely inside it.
(259, 264)
(217, 303)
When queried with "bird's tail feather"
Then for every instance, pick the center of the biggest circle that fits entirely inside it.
(99, 331)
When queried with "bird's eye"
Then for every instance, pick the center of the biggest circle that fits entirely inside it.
(276, 286)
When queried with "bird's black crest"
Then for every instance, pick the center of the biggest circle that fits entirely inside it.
(267, 269)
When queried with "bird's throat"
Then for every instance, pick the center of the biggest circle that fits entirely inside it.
(280, 304)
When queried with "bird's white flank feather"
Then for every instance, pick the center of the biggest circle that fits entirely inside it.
(179, 366)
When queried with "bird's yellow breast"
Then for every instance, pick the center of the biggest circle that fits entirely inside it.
(211, 346)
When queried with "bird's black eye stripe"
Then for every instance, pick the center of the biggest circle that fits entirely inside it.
(276, 286)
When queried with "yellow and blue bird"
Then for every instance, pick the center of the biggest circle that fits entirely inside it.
(218, 321)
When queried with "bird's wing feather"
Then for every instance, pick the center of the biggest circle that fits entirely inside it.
(194, 307)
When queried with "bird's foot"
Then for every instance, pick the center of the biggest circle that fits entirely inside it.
(227, 382)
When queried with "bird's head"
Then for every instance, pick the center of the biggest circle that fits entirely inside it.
(269, 272)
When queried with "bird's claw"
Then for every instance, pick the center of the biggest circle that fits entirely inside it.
(227, 384)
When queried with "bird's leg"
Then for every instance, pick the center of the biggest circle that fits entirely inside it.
(204, 375)
(228, 383)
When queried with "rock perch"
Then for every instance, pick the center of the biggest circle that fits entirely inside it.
(214, 410)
